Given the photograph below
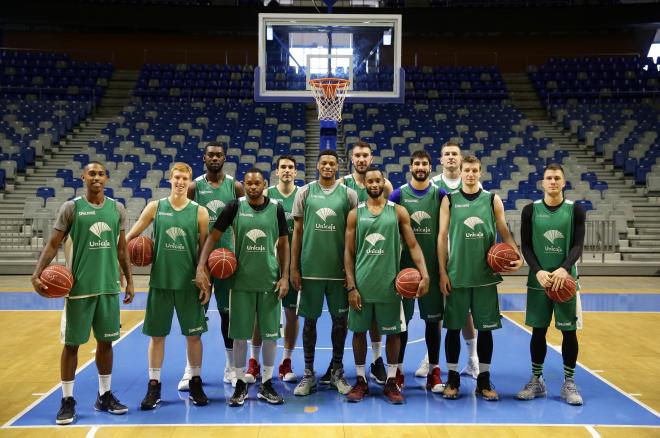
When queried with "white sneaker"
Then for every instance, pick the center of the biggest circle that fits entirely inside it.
(569, 393)
(229, 377)
(183, 383)
(423, 369)
(472, 368)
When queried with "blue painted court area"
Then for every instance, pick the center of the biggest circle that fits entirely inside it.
(604, 405)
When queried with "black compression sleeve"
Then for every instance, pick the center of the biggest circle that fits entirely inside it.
(526, 239)
(579, 217)
(226, 216)
(281, 221)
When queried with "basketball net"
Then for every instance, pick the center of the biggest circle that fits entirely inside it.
(329, 94)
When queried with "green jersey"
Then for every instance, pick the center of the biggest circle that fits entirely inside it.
(95, 233)
(552, 234)
(256, 239)
(215, 199)
(361, 191)
(472, 232)
(377, 249)
(439, 181)
(287, 203)
(176, 238)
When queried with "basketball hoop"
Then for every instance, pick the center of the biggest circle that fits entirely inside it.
(329, 94)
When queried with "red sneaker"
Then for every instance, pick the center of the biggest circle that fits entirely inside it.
(400, 379)
(392, 392)
(253, 372)
(286, 372)
(434, 381)
(359, 390)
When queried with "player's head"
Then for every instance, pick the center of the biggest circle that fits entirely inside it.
(554, 179)
(327, 164)
(94, 176)
(254, 183)
(470, 170)
(420, 165)
(374, 181)
(214, 156)
(286, 168)
(180, 178)
(361, 156)
(450, 156)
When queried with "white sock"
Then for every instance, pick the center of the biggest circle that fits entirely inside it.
(240, 374)
(391, 370)
(266, 373)
(484, 367)
(187, 372)
(255, 352)
(426, 358)
(452, 366)
(195, 371)
(67, 388)
(360, 370)
(287, 354)
(472, 347)
(400, 367)
(104, 383)
(375, 350)
(229, 358)
(154, 374)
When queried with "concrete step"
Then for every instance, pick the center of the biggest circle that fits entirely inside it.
(641, 257)
(651, 245)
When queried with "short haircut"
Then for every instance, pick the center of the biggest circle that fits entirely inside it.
(374, 168)
(180, 167)
(93, 162)
(285, 157)
(419, 155)
(330, 152)
(254, 170)
(449, 144)
(361, 144)
(471, 159)
(214, 144)
(554, 166)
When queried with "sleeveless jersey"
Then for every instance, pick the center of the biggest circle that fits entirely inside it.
(176, 238)
(361, 191)
(215, 199)
(472, 232)
(440, 182)
(95, 233)
(552, 234)
(287, 203)
(377, 249)
(256, 238)
(324, 226)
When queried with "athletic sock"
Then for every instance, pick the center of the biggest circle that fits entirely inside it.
(391, 370)
(154, 374)
(104, 383)
(400, 367)
(375, 350)
(537, 369)
(287, 354)
(360, 371)
(195, 371)
(266, 373)
(569, 372)
(229, 357)
(255, 352)
(452, 367)
(67, 388)
(432, 366)
(472, 347)
(484, 367)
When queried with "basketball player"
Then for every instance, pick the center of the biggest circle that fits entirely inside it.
(214, 190)
(371, 259)
(421, 199)
(283, 193)
(317, 267)
(552, 235)
(180, 228)
(261, 279)
(95, 224)
(469, 220)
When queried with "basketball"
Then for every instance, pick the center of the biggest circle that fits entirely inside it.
(141, 251)
(564, 294)
(222, 263)
(407, 282)
(499, 256)
(58, 279)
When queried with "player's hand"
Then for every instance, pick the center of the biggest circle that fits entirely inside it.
(423, 287)
(544, 278)
(559, 277)
(354, 300)
(296, 278)
(514, 265)
(38, 286)
(202, 281)
(445, 284)
(204, 295)
(282, 287)
(130, 293)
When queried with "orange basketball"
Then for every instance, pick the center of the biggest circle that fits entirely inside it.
(564, 294)
(141, 251)
(222, 263)
(407, 282)
(499, 256)
(58, 279)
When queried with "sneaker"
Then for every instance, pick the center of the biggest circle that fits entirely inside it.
(472, 368)
(197, 393)
(240, 394)
(485, 388)
(67, 412)
(307, 384)
(392, 392)
(184, 382)
(327, 377)
(434, 381)
(338, 381)
(359, 391)
(453, 384)
(151, 400)
(253, 371)
(534, 388)
(377, 371)
(570, 394)
(268, 393)
(109, 403)
(400, 379)
(286, 372)
(229, 377)
(423, 369)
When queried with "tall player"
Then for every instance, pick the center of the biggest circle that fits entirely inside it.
(552, 236)
(214, 190)
(371, 259)
(317, 266)
(180, 228)
(95, 224)
(421, 199)
(469, 221)
(261, 279)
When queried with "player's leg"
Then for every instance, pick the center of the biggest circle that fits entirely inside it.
(538, 314)
(457, 307)
(391, 322)
(408, 310)
(338, 307)
(291, 324)
(269, 312)
(242, 315)
(566, 320)
(358, 323)
(431, 310)
(253, 369)
(377, 367)
(486, 317)
(470, 336)
(310, 304)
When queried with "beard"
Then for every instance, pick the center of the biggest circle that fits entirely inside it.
(416, 176)
(375, 195)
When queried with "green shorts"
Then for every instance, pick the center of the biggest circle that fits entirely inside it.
(540, 308)
(389, 318)
(310, 303)
(221, 291)
(431, 306)
(244, 306)
(160, 310)
(290, 301)
(481, 301)
(99, 312)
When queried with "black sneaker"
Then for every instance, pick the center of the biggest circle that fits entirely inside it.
(196, 392)
(67, 412)
(268, 393)
(327, 377)
(151, 400)
(485, 388)
(240, 394)
(452, 386)
(109, 403)
(377, 371)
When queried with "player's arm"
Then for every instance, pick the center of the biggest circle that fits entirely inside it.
(296, 246)
(47, 255)
(443, 239)
(203, 231)
(503, 229)
(388, 189)
(544, 277)
(283, 252)
(413, 246)
(560, 274)
(238, 188)
(125, 266)
(146, 217)
(354, 299)
(191, 190)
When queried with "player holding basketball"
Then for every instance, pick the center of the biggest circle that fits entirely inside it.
(261, 279)
(317, 266)
(469, 221)
(552, 235)
(371, 259)
(95, 224)
(421, 199)
(180, 228)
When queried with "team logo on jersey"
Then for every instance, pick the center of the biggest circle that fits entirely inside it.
(288, 216)
(552, 236)
(98, 229)
(418, 217)
(174, 233)
(215, 205)
(86, 213)
(255, 234)
(373, 239)
(472, 222)
(324, 213)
